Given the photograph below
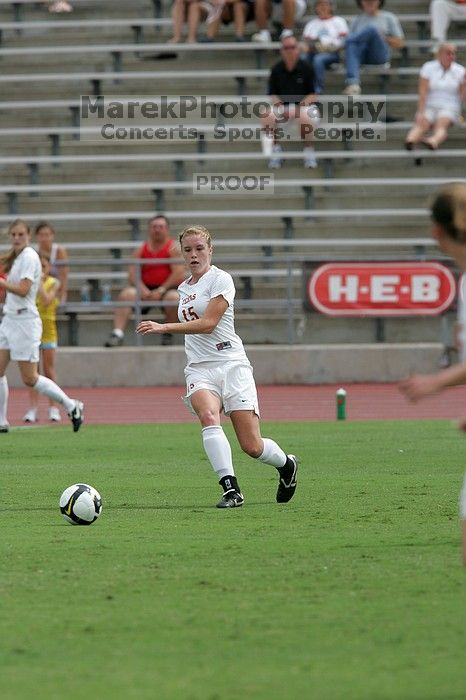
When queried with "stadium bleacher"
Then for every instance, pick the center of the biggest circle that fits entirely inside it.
(97, 191)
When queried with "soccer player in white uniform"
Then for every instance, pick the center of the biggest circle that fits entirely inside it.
(21, 327)
(449, 230)
(218, 373)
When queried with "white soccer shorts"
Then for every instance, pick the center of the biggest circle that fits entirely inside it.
(232, 382)
(21, 337)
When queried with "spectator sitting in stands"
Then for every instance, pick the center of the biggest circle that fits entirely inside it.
(158, 282)
(45, 245)
(190, 11)
(442, 86)
(323, 38)
(237, 11)
(291, 90)
(60, 6)
(373, 33)
(284, 12)
(442, 13)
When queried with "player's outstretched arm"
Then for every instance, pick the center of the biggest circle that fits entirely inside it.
(419, 385)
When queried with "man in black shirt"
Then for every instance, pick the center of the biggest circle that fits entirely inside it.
(291, 90)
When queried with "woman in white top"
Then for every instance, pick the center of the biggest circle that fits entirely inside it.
(442, 87)
(218, 373)
(449, 230)
(21, 327)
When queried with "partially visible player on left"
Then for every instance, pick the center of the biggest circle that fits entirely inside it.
(21, 327)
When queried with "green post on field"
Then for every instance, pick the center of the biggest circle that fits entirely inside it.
(341, 404)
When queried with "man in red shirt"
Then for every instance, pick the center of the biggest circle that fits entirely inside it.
(158, 282)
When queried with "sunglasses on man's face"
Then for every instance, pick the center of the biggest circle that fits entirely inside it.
(289, 47)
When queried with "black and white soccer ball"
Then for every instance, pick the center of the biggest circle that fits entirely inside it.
(80, 504)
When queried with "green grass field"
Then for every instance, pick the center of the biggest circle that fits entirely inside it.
(352, 591)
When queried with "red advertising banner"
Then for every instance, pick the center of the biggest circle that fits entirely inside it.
(381, 289)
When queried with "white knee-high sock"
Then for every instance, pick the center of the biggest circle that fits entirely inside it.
(46, 386)
(218, 450)
(3, 400)
(273, 454)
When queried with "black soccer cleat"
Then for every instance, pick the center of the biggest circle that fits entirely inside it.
(77, 415)
(231, 499)
(114, 341)
(288, 480)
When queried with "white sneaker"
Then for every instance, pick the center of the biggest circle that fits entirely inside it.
(263, 37)
(310, 160)
(60, 6)
(276, 161)
(286, 33)
(267, 145)
(30, 416)
(352, 89)
(54, 414)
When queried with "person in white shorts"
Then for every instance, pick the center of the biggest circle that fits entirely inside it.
(442, 86)
(284, 12)
(218, 373)
(442, 13)
(449, 230)
(21, 327)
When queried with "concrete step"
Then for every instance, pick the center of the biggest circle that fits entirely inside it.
(273, 364)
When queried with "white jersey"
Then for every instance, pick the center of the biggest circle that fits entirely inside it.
(222, 344)
(26, 266)
(444, 85)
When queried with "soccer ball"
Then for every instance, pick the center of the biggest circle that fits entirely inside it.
(80, 504)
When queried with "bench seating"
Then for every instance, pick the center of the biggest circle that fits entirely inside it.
(409, 244)
(159, 188)
(96, 79)
(117, 49)
(286, 216)
(202, 131)
(139, 24)
(326, 157)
